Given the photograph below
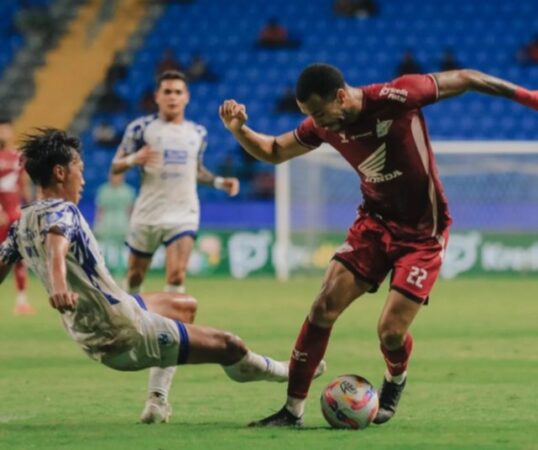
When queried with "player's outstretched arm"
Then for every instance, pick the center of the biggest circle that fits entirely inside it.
(271, 149)
(61, 297)
(456, 82)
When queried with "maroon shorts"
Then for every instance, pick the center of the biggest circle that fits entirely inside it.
(371, 252)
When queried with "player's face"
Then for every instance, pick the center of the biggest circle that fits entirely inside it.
(172, 98)
(329, 114)
(74, 179)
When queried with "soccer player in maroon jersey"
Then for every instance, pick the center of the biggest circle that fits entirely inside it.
(14, 185)
(403, 221)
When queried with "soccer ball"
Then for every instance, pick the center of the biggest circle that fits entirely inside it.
(349, 401)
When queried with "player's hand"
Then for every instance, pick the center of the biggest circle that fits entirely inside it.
(63, 301)
(231, 186)
(233, 115)
(147, 156)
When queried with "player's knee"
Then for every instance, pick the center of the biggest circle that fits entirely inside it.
(234, 347)
(185, 306)
(391, 337)
(134, 277)
(324, 310)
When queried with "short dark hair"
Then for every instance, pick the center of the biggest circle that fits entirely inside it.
(5, 120)
(171, 75)
(320, 79)
(44, 149)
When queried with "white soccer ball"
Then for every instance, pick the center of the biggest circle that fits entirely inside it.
(349, 401)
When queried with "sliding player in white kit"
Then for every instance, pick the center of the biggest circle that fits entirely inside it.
(168, 149)
(123, 332)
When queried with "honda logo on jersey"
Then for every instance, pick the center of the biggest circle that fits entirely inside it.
(372, 167)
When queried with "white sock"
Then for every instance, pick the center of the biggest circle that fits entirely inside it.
(160, 380)
(21, 298)
(397, 379)
(254, 367)
(295, 406)
(176, 288)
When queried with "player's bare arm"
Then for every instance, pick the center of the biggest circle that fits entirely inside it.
(123, 162)
(271, 149)
(455, 82)
(57, 247)
(230, 185)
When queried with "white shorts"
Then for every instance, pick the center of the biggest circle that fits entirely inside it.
(143, 240)
(136, 339)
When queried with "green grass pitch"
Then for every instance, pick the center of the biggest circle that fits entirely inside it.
(473, 380)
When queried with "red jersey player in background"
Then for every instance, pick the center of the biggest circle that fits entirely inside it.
(14, 188)
(402, 225)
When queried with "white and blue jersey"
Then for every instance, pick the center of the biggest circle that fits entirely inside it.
(168, 194)
(110, 325)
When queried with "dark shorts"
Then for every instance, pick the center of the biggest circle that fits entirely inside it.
(371, 251)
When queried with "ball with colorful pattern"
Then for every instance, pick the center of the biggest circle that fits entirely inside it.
(349, 401)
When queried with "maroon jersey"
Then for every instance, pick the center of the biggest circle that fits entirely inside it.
(388, 146)
(10, 172)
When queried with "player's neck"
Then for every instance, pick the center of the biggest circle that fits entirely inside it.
(53, 192)
(173, 119)
(357, 98)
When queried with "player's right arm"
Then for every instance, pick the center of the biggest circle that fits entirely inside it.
(271, 149)
(57, 246)
(123, 161)
(9, 252)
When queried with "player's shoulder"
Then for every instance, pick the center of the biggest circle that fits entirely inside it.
(197, 128)
(141, 123)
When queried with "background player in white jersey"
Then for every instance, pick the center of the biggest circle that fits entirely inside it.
(122, 331)
(168, 149)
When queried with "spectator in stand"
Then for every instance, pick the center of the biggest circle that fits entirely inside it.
(199, 69)
(408, 64)
(168, 62)
(287, 103)
(117, 71)
(528, 54)
(361, 9)
(147, 103)
(275, 35)
(105, 135)
(449, 61)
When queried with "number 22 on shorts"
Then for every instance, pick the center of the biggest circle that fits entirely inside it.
(416, 276)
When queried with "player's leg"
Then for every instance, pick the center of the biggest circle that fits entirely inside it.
(396, 345)
(137, 267)
(210, 345)
(178, 251)
(414, 275)
(340, 287)
(180, 307)
(22, 306)
(142, 241)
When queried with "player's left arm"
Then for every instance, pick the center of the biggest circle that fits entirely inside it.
(229, 185)
(57, 246)
(456, 82)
